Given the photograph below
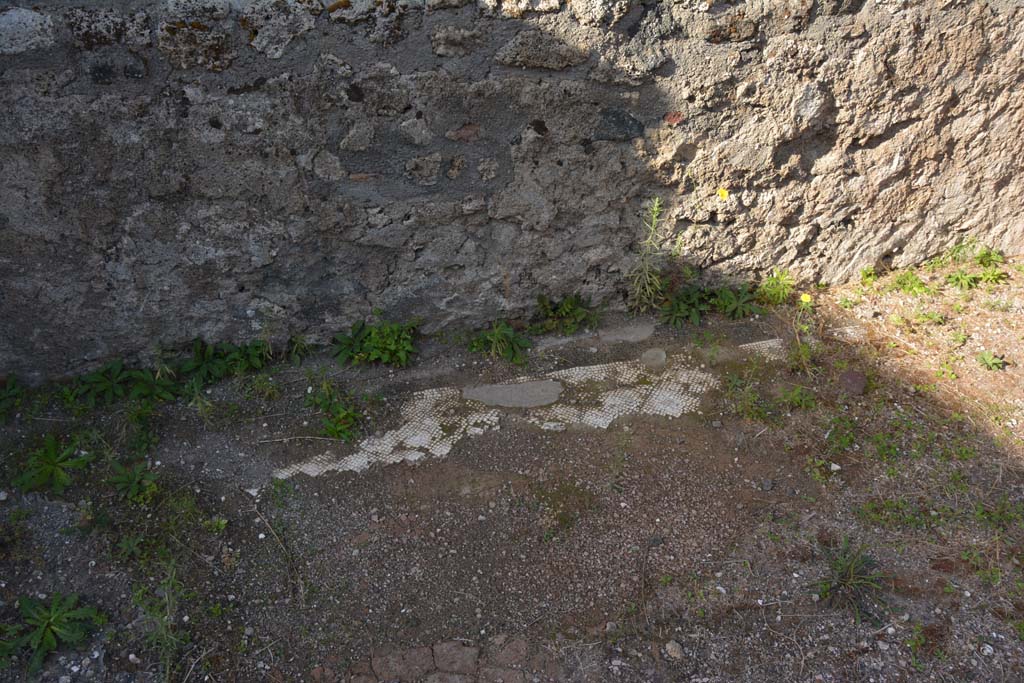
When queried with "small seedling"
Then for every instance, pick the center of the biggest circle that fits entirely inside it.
(134, 483)
(963, 280)
(959, 338)
(868, 276)
(736, 303)
(150, 386)
(645, 282)
(776, 288)
(386, 343)
(263, 387)
(343, 414)
(215, 525)
(993, 276)
(852, 579)
(50, 467)
(991, 361)
(247, 357)
(298, 349)
(206, 364)
(909, 283)
(109, 383)
(931, 318)
(501, 341)
(11, 396)
(686, 304)
(565, 317)
(44, 628)
(987, 257)
(798, 398)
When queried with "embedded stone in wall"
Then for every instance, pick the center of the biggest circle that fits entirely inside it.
(273, 24)
(595, 12)
(452, 41)
(195, 44)
(350, 10)
(538, 50)
(188, 9)
(424, 170)
(22, 30)
(92, 28)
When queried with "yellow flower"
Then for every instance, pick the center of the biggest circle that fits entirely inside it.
(806, 298)
(723, 193)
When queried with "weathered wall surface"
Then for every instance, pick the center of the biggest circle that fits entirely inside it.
(225, 168)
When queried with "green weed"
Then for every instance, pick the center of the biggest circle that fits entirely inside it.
(736, 303)
(344, 417)
(798, 398)
(386, 343)
(990, 361)
(298, 349)
(686, 304)
(501, 341)
(852, 580)
(776, 288)
(987, 257)
(12, 395)
(108, 384)
(993, 276)
(45, 628)
(963, 280)
(645, 282)
(50, 467)
(565, 316)
(134, 483)
(908, 282)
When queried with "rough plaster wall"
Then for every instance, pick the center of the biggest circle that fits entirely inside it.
(233, 168)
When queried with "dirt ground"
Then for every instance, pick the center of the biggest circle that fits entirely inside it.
(659, 548)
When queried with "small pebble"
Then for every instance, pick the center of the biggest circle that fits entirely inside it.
(674, 650)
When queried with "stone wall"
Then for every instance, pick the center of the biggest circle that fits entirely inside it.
(237, 168)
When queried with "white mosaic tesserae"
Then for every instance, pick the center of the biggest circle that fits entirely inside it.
(434, 420)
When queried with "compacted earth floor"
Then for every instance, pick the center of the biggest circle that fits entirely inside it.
(828, 491)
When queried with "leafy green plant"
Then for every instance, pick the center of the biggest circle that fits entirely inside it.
(150, 386)
(108, 384)
(963, 280)
(246, 357)
(736, 303)
(206, 364)
(263, 387)
(776, 288)
(991, 361)
(565, 316)
(986, 257)
(930, 317)
(135, 483)
(161, 607)
(852, 579)
(645, 281)
(12, 395)
(993, 276)
(686, 304)
(50, 467)
(501, 341)
(908, 282)
(45, 628)
(130, 547)
(868, 276)
(215, 525)
(798, 398)
(386, 343)
(298, 349)
(140, 435)
(343, 416)
(841, 434)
